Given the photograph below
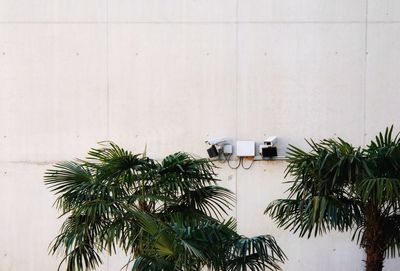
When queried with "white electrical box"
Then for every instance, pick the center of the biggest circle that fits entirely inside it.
(228, 149)
(245, 148)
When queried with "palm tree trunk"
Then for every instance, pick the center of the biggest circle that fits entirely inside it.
(373, 241)
(374, 260)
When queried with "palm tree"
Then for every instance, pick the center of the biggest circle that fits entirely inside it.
(166, 215)
(336, 186)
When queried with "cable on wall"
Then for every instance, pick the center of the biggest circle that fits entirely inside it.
(228, 159)
(243, 166)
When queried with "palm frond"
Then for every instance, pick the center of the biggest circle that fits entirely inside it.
(149, 263)
(380, 190)
(314, 215)
(181, 172)
(256, 253)
(78, 243)
(211, 200)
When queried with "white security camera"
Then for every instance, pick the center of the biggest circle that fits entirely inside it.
(268, 149)
(270, 141)
(216, 146)
(216, 141)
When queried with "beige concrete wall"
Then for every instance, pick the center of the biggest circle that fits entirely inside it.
(172, 73)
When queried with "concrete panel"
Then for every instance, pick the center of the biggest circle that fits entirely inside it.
(382, 97)
(391, 264)
(383, 10)
(171, 86)
(52, 10)
(304, 10)
(256, 188)
(172, 10)
(301, 81)
(28, 222)
(117, 261)
(228, 179)
(53, 97)
(333, 251)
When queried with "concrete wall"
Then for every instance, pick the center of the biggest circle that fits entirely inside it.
(172, 73)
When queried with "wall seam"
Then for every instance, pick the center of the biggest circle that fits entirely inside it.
(194, 22)
(107, 93)
(236, 96)
(365, 75)
(31, 162)
(107, 75)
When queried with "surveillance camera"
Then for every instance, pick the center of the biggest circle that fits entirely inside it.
(216, 141)
(268, 151)
(270, 141)
(213, 151)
